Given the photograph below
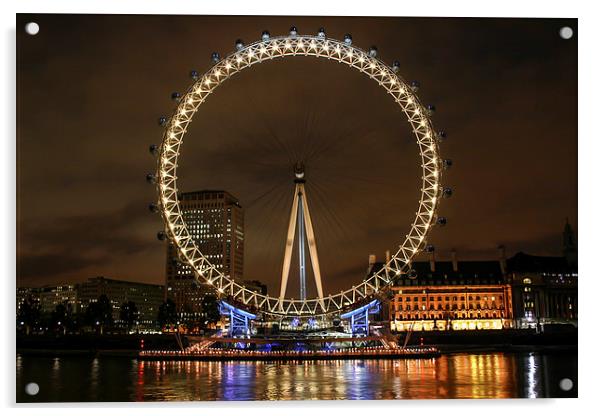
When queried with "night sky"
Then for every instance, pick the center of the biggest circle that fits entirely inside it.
(91, 88)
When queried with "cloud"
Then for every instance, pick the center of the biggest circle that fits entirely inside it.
(75, 243)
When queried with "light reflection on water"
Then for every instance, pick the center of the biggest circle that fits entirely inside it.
(490, 375)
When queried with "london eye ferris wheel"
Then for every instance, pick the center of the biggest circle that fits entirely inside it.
(300, 224)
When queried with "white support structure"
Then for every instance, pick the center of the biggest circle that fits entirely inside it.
(301, 218)
(288, 250)
(311, 243)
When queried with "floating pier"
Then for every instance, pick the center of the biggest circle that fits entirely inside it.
(222, 354)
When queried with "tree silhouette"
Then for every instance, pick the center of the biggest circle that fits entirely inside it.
(100, 313)
(29, 314)
(129, 314)
(60, 318)
(167, 313)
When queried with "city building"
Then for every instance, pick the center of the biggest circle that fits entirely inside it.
(215, 220)
(545, 287)
(544, 290)
(51, 296)
(48, 297)
(76, 297)
(524, 291)
(147, 297)
(450, 295)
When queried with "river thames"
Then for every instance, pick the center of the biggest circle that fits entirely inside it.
(465, 375)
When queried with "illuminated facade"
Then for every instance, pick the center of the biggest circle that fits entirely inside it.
(48, 297)
(215, 221)
(51, 296)
(76, 297)
(523, 291)
(451, 295)
(545, 287)
(545, 290)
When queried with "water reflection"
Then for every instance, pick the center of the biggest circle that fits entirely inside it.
(492, 375)
(532, 384)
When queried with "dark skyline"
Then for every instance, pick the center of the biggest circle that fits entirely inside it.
(91, 88)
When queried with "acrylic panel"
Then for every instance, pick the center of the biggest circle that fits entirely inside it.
(243, 208)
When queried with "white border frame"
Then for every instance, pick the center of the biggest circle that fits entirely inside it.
(590, 89)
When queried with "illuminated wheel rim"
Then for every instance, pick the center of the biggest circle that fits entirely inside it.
(280, 47)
